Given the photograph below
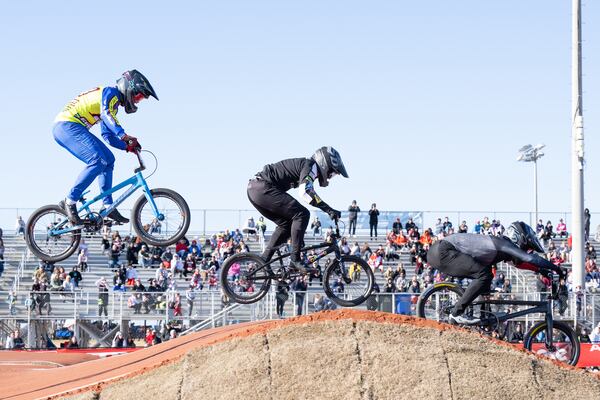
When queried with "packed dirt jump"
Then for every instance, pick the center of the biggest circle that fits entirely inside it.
(331, 355)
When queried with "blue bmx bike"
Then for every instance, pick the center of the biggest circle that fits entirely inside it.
(160, 217)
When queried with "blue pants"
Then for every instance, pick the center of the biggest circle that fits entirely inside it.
(88, 148)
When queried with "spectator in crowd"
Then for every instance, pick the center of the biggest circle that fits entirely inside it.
(75, 276)
(175, 305)
(586, 223)
(477, 228)
(131, 275)
(539, 228)
(118, 340)
(82, 260)
(144, 258)
(316, 226)
(548, 232)
(397, 227)
(115, 253)
(14, 341)
(415, 286)
(155, 226)
(177, 265)
(590, 251)
(135, 302)
(410, 225)
(138, 286)
(426, 238)
(166, 257)
(463, 228)
(322, 303)
(195, 249)
(149, 338)
(102, 286)
(261, 226)
(190, 296)
(299, 286)
(595, 334)
(517, 334)
(353, 211)
(486, 226)
(281, 296)
(376, 261)
(20, 226)
(448, 229)
(561, 229)
(373, 220)
(181, 249)
(497, 229)
(105, 239)
(389, 286)
(250, 229)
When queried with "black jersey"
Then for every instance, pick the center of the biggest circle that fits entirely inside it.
(293, 173)
(287, 174)
(488, 250)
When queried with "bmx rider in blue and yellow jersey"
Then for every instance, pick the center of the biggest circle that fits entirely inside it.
(71, 131)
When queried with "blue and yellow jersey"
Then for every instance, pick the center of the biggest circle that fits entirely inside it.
(99, 104)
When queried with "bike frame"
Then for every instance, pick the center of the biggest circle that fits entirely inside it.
(329, 248)
(538, 307)
(136, 182)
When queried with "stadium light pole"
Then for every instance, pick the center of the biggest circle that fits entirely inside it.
(577, 158)
(529, 153)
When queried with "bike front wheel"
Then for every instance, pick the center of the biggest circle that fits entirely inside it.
(349, 281)
(170, 226)
(565, 344)
(42, 238)
(244, 278)
(436, 303)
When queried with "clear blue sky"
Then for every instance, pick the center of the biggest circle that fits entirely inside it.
(427, 101)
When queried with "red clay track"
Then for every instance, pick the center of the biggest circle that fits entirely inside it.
(47, 383)
(94, 375)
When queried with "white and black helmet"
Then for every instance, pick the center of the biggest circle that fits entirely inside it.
(330, 163)
(523, 236)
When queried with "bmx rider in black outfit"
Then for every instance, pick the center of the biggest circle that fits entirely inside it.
(468, 255)
(267, 191)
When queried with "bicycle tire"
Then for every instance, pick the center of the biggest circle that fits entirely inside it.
(226, 283)
(138, 224)
(334, 270)
(557, 325)
(436, 288)
(32, 243)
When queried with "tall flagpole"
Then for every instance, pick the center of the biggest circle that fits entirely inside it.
(577, 148)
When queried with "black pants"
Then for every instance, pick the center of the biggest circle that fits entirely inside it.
(352, 229)
(444, 256)
(289, 215)
(373, 227)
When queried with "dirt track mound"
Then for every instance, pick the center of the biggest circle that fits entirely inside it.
(355, 355)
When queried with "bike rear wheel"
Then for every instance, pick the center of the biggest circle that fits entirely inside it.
(437, 302)
(244, 278)
(566, 345)
(344, 286)
(43, 242)
(171, 228)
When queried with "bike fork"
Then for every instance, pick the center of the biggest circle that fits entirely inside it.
(549, 326)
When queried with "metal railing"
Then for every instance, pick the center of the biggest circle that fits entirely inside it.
(205, 221)
(210, 310)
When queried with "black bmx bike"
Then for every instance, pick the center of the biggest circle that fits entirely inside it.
(552, 339)
(347, 280)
